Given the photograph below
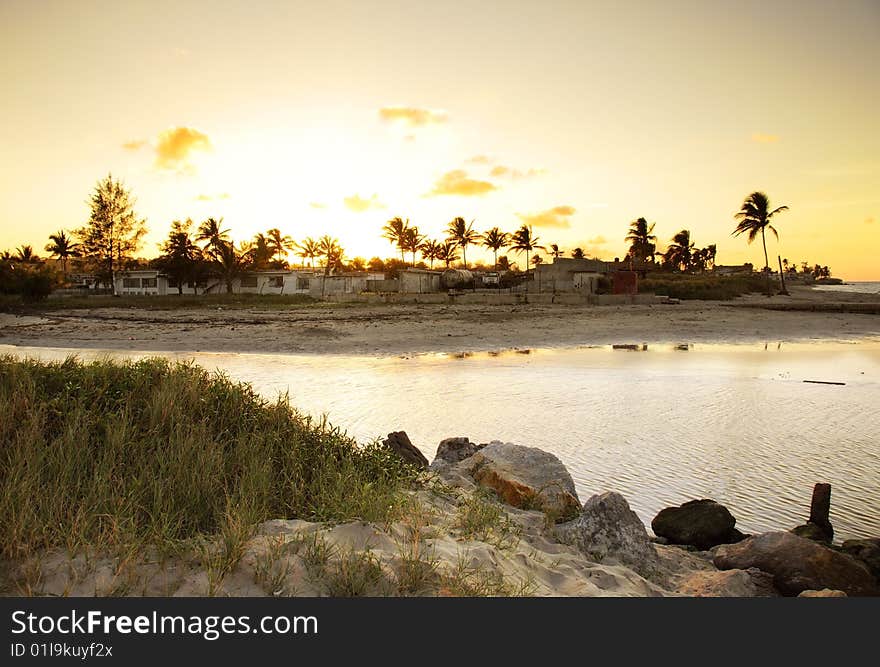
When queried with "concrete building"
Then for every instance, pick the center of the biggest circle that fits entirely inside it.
(144, 282)
(567, 274)
(419, 281)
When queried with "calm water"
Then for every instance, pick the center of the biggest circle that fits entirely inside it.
(860, 288)
(661, 425)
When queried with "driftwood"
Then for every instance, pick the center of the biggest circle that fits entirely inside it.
(401, 445)
(841, 384)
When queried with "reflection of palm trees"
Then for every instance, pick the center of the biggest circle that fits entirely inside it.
(523, 240)
(679, 254)
(395, 231)
(62, 247)
(463, 234)
(495, 239)
(643, 243)
(755, 216)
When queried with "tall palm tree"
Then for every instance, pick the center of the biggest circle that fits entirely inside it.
(261, 252)
(331, 251)
(447, 252)
(412, 241)
(395, 231)
(63, 247)
(524, 240)
(643, 243)
(431, 250)
(463, 234)
(211, 233)
(229, 262)
(279, 244)
(680, 252)
(555, 251)
(308, 250)
(495, 240)
(755, 216)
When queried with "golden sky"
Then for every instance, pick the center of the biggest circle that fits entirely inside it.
(330, 117)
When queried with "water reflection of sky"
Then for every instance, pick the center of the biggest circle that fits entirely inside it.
(662, 423)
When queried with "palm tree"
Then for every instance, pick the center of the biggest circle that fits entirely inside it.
(412, 241)
(431, 250)
(495, 240)
(448, 252)
(63, 247)
(755, 216)
(643, 243)
(555, 251)
(463, 234)
(523, 240)
(26, 255)
(211, 233)
(229, 262)
(577, 253)
(279, 244)
(680, 252)
(395, 231)
(261, 252)
(331, 251)
(308, 250)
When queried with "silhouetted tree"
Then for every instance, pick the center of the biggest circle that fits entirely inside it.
(211, 233)
(430, 250)
(462, 234)
(448, 253)
(412, 241)
(495, 240)
(280, 245)
(181, 258)
(679, 254)
(754, 217)
(524, 240)
(63, 247)
(395, 231)
(643, 243)
(577, 253)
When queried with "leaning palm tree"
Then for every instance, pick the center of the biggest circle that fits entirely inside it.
(63, 247)
(755, 216)
(395, 231)
(462, 234)
(280, 245)
(523, 240)
(642, 242)
(448, 252)
(308, 250)
(412, 241)
(495, 240)
(430, 250)
(211, 233)
(680, 253)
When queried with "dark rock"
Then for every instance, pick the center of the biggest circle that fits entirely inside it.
(699, 523)
(815, 532)
(798, 564)
(453, 450)
(400, 444)
(608, 531)
(820, 509)
(867, 551)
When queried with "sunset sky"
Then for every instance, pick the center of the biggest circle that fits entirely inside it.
(331, 117)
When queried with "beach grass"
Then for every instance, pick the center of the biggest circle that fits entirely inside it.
(13, 303)
(705, 287)
(110, 456)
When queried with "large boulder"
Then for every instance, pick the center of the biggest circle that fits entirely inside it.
(400, 444)
(608, 531)
(798, 564)
(867, 551)
(718, 584)
(453, 450)
(699, 523)
(526, 477)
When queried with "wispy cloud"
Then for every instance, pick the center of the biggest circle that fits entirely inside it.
(358, 204)
(222, 195)
(175, 146)
(457, 182)
(134, 144)
(412, 116)
(479, 159)
(501, 170)
(558, 217)
(598, 240)
(761, 138)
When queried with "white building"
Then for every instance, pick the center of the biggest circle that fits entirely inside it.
(153, 282)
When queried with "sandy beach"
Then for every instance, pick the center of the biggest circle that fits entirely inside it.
(383, 330)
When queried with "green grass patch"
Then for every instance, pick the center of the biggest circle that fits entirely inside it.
(116, 456)
(706, 287)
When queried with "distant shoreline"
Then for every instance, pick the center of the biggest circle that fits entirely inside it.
(388, 330)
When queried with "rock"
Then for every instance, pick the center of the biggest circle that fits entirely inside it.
(824, 593)
(526, 477)
(815, 532)
(820, 509)
(867, 551)
(453, 450)
(798, 564)
(718, 584)
(608, 531)
(699, 523)
(400, 444)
